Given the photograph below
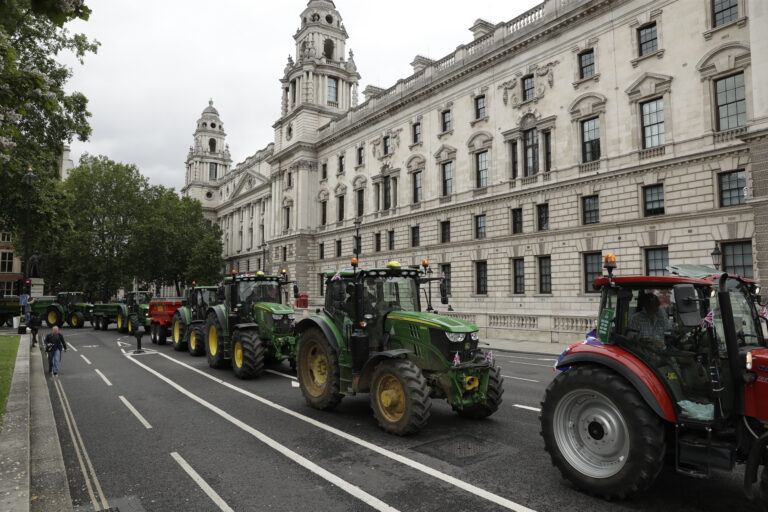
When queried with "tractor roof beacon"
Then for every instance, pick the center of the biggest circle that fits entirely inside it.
(372, 337)
(676, 370)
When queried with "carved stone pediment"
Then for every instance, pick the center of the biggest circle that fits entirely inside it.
(445, 152)
(586, 105)
(415, 162)
(340, 189)
(649, 84)
(725, 57)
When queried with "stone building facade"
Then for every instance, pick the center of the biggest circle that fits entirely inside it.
(514, 164)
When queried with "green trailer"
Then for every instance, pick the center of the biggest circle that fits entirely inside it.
(119, 312)
(69, 307)
(9, 307)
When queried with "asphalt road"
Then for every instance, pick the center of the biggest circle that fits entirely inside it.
(162, 431)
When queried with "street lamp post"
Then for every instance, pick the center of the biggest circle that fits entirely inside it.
(357, 239)
(29, 179)
(716, 255)
(263, 247)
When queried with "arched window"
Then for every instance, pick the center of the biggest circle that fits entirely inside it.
(212, 145)
(328, 49)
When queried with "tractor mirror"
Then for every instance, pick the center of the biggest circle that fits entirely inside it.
(443, 292)
(295, 291)
(687, 302)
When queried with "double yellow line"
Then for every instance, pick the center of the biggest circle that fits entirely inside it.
(77, 441)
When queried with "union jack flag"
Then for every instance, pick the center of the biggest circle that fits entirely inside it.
(764, 313)
(592, 339)
(456, 360)
(489, 357)
(709, 320)
(336, 276)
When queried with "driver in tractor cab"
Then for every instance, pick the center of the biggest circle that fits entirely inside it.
(349, 302)
(650, 321)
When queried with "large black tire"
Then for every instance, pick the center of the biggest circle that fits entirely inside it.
(214, 336)
(318, 371)
(400, 397)
(52, 317)
(247, 354)
(96, 322)
(196, 343)
(162, 334)
(492, 397)
(133, 324)
(76, 320)
(764, 488)
(122, 322)
(600, 433)
(153, 333)
(178, 332)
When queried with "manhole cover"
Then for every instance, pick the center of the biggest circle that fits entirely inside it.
(461, 450)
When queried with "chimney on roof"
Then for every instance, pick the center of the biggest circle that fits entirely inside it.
(481, 28)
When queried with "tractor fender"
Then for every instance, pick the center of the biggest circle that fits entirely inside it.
(363, 384)
(218, 310)
(184, 315)
(124, 309)
(331, 333)
(249, 325)
(193, 322)
(636, 372)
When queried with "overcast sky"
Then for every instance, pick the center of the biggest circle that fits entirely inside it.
(160, 62)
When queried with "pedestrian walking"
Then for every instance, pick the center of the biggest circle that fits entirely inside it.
(54, 344)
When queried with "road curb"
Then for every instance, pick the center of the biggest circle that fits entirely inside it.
(14, 437)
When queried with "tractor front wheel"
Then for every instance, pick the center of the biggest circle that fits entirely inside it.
(153, 333)
(197, 340)
(122, 322)
(179, 330)
(318, 371)
(96, 322)
(52, 317)
(214, 337)
(600, 433)
(162, 334)
(492, 397)
(247, 354)
(400, 397)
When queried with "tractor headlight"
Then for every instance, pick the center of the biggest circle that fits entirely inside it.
(291, 317)
(749, 360)
(455, 336)
(474, 336)
(275, 316)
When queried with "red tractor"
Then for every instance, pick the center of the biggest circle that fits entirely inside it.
(676, 371)
(161, 311)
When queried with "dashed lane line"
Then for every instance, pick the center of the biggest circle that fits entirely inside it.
(103, 377)
(456, 482)
(353, 490)
(519, 378)
(281, 374)
(529, 364)
(526, 407)
(69, 345)
(135, 412)
(85, 359)
(207, 489)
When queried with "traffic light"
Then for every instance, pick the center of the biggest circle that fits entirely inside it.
(28, 287)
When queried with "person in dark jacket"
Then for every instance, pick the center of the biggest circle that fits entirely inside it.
(54, 344)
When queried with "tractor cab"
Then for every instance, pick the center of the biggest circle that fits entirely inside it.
(256, 297)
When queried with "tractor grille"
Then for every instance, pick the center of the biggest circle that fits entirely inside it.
(283, 326)
(449, 348)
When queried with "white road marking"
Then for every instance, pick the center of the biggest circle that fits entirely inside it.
(72, 424)
(135, 412)
(461, 484)
(519, 378)
(85, 359)
(103, 377)
(69, 345)
(529, 364)
(281, 374)
(496, 356)
(122, 350)
(295, 384)
(527, 408)
(287, 452)
(202, 483)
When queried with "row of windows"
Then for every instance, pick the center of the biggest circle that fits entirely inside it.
(6, 262)
(731, 192)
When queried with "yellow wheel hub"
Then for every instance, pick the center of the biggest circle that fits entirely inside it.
(119, 321)
(176, 334)
(239, 354)
(73, 321)
(391, 398)
(213, 341)
(52, 316)
(192, 340)
(315, 372)
(130, 327)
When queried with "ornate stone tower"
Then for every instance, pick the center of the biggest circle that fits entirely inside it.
(208, 160)
(322, 81)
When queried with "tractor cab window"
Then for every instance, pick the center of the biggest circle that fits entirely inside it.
(143, 298)
(76, 297)
(265, 291)
(206, 297)
(745, 317)
(390, 293)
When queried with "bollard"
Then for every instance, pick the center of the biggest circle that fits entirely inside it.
(134, 319)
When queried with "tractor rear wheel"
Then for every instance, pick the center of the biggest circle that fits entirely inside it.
(197, 340)
(122, 322)
(247, 354)
(153, 333)
(162, 334)
(318, 371)
(179, 331)
(492, 397)
(400, 397)
(52, 317)
(76, 320)
(600, 433)
(214, 336)
(96, 323)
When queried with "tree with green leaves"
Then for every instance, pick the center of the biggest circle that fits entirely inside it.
(37, 116)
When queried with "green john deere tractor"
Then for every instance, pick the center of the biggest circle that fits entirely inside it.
(372, 337)
(188, 326)
(70, 307)
(137, 304)
(250, 326)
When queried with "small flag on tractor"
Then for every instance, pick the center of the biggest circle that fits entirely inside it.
(336, 277)
(456, 359)
(709, 320)
(489, 357)
(764, 313)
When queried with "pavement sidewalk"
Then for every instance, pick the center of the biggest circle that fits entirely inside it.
(32, 472)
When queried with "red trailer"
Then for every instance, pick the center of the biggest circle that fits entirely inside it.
(161, 312)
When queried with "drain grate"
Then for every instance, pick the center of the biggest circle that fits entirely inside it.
(462, 450)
